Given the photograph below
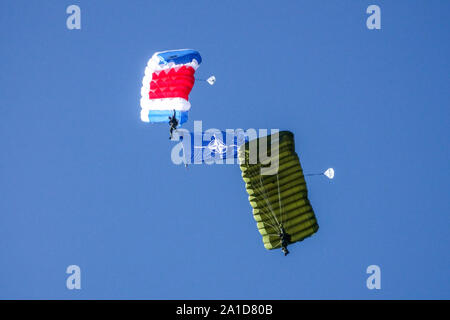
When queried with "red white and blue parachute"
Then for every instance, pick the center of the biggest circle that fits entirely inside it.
(168, 80)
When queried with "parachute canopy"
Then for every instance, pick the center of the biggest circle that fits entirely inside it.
(210, 146)
(168, 80)
(279, 197)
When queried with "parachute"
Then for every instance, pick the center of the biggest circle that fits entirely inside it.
(168, 80)
(210, 146)
(279, 196)
(329, 173)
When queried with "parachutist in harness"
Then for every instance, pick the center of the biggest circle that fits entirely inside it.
(285, 240)
(173, 122)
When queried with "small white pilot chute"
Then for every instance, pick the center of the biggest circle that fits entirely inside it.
(329, 173)
(211, 80)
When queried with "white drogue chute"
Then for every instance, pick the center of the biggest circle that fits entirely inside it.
(211, 80)
(329, 173)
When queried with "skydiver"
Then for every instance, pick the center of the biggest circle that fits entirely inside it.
(285, 240)
(173, 122)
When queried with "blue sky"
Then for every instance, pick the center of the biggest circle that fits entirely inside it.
(85, 182)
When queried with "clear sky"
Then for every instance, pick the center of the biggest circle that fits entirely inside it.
(83, 181)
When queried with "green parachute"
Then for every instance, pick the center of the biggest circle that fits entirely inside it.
(278, 195)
